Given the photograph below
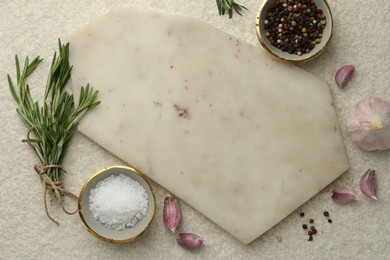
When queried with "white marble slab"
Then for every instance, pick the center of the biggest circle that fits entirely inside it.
(240, 137)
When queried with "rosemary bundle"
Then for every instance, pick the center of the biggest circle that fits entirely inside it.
(228, 7)
(51, 125)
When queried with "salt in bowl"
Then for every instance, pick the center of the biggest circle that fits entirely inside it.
(98, 229)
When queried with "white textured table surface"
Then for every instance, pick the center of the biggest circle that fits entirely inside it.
(359, 231)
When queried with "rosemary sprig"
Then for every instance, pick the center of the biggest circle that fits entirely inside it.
(228, 6)
(53, 123)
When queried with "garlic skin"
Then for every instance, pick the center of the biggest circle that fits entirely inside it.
(189, 241)
(344, 74)
(343, 195)
(368, 184)
(171, 213)
(369, 124)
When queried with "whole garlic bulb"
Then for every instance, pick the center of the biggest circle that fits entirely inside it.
(369, 124)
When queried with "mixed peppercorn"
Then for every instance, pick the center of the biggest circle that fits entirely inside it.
(294, 26)
(312, 229)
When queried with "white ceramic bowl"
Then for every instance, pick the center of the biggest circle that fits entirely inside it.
(282, 55)
(95, 227)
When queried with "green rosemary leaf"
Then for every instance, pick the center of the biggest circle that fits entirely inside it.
(12, 89)
(17, 69)
(32, 66)
(228, 6)
(221, 10)
(29, 103)
(48, 87)
(24, 73)
(31, 140)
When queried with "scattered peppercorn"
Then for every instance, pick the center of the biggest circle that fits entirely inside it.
(311, 230)
(294, 26)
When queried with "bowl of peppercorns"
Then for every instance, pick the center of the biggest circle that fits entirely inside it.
(294, 30)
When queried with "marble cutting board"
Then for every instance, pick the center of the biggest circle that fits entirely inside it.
(242, 138)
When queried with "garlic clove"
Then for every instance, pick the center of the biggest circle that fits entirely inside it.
(343, 75)
(189, 241)
(343, 195)
(369, 124)
(171, 213)
(368, 184)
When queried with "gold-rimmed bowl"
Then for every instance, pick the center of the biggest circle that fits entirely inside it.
(100, 231)
(285, 56)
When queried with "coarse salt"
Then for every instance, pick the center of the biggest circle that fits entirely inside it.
(118, 202)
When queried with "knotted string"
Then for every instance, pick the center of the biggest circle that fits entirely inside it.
(57, 187)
